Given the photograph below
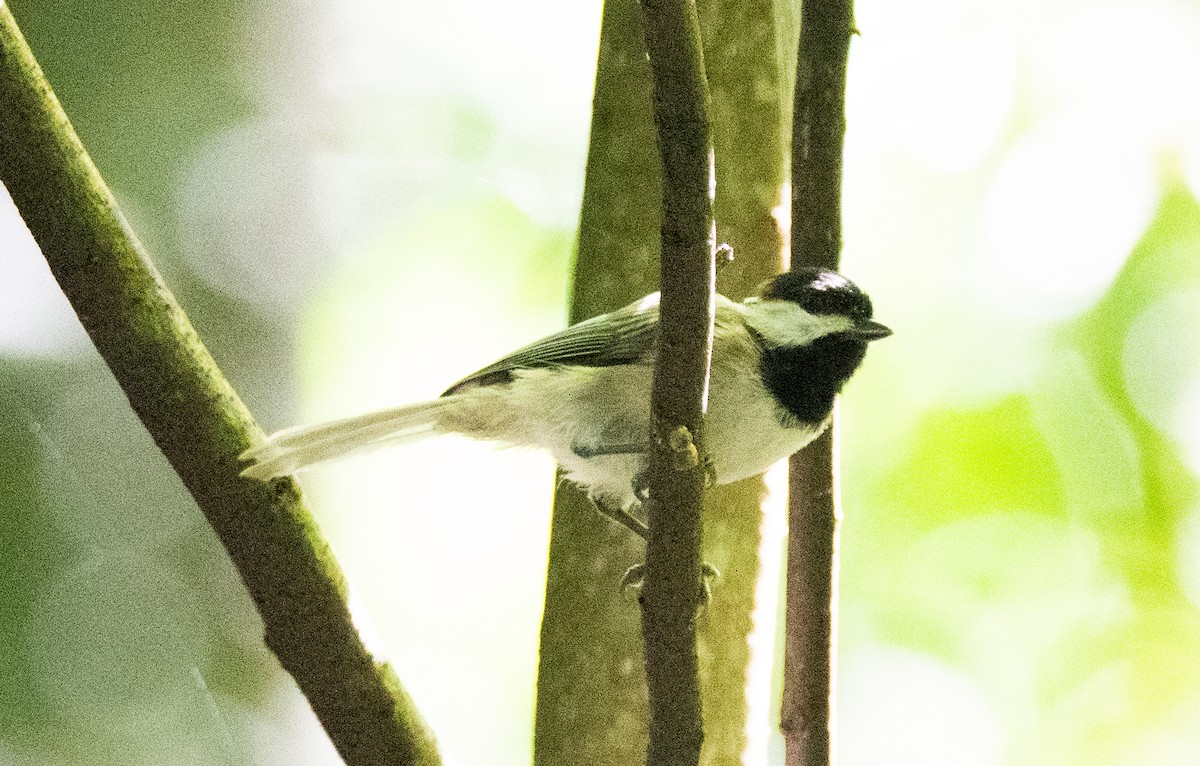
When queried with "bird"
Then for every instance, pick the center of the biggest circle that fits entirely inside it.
(779, 359)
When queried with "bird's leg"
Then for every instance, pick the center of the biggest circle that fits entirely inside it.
(585, 451)
(632, 579)
(624, 518)
(618, 514)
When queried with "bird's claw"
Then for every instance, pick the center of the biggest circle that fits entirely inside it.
(724, 255)
(631, 581)
(710, 471)
(641, 480)
(634, 578)
(641, 485)
(708, 575)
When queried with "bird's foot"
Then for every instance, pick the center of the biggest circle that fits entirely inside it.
(641, 480)
(724, 256)
(641, 485)
(634, 577)
(710, 471)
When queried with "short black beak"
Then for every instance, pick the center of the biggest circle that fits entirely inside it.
(871, 330)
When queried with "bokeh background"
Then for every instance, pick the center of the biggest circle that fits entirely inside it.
(358, 202)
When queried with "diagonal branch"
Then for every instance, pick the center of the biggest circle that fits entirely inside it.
(197, 420)
(818, 127)
(673, 590)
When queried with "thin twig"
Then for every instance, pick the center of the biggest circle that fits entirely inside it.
(674, 587)
(197, 420)
(818, 127)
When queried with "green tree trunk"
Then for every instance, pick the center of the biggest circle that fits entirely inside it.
(591, 689)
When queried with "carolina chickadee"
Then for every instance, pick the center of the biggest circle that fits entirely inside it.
(583, 393)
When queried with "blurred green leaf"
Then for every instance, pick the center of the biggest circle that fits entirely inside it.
(969, 462)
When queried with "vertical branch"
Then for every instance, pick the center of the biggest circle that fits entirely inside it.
(590, 655)
(811, 628)
(197, 420)
(673, 590)
(818, 128)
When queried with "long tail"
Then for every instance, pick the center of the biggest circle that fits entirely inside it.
(290, 450)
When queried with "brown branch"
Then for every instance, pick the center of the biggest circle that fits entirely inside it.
(674, 588)
(811, 630)
(197, 420)
(818, 127)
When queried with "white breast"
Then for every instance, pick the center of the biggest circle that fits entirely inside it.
(744, 431)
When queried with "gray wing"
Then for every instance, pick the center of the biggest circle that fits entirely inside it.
(624, 336)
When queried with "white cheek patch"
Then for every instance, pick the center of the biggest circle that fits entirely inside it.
(784, 323)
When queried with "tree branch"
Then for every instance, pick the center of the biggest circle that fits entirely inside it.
(197, 420)
(587, 647)
(673, 590)
(818, 128)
